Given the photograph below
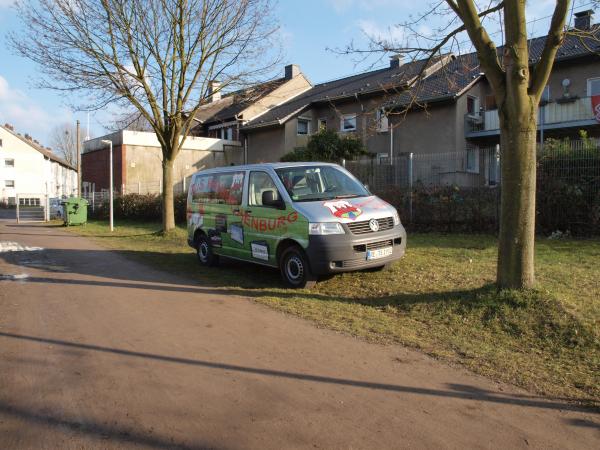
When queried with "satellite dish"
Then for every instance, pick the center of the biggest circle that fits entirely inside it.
(566, 83)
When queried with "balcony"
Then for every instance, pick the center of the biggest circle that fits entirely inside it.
(560, 113)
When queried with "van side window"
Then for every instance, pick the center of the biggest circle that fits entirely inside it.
(259, 183)
(221, 188)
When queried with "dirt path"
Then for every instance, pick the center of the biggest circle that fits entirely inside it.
(97, 351)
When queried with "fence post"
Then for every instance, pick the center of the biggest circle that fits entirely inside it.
(184, 184)
(410, 186)
(139, 187)
(343, 162)
(123, 189)
(18, 201)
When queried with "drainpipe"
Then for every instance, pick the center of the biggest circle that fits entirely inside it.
(391, 128)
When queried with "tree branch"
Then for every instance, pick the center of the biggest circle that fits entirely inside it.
(555, 37)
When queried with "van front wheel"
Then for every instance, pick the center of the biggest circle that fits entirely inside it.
(204, 251)
(295, 270)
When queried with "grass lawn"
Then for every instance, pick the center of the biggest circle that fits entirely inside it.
(440, 299)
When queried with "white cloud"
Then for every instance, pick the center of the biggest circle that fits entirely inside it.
(375, 31)
(342, 6)
(26, 115)
(6, 3)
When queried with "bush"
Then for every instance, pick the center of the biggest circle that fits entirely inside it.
(144, 207)
(328, 146)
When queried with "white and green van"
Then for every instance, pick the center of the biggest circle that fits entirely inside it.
(307, 219)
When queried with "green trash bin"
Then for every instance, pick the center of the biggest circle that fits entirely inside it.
(75, 211)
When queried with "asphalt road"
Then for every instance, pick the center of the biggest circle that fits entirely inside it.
(97, 351)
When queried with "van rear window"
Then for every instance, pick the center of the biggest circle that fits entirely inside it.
(220, 188)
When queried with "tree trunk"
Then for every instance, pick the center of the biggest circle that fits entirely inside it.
(168, 209)
(517, 216)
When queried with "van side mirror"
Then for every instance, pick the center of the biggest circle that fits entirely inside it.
(271, 198)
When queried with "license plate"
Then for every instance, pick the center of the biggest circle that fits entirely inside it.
(379, 253)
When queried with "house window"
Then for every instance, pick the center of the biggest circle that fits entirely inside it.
(0, 142)
(348, 122)
(303, 126)
(9, 183)
(322, 124)
(473, 160)
(546, 94)
(29, 201)
(472, 105)
(382, 120)
(593, 86)
(9, 163)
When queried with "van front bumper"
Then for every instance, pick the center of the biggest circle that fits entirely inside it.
(347, 252)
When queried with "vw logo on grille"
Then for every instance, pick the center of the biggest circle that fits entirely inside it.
(374, 225)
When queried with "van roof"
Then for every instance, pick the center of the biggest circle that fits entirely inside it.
(266, 166)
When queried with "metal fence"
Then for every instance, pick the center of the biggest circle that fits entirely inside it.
(462, 189)
(470, 168)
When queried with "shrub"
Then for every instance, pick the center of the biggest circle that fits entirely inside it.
(146, 207)
(328, 146)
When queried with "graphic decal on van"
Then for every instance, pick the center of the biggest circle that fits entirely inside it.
(260, 250)
(343, 209)
(236, 232)
(269, 224)
(215, 238)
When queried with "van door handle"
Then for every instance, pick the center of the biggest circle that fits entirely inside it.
(248, 211)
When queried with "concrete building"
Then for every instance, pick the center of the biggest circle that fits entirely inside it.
(30, 171)
(137, 161)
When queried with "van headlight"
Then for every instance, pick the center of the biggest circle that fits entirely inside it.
(396, 218)
(325, 228)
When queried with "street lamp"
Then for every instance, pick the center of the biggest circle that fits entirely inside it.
(110, 191)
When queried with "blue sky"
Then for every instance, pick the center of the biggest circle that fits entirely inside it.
(308, 28)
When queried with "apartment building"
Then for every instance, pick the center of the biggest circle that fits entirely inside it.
(29, 171)
(449, 109)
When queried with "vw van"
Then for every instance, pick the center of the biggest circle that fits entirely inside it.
(307, 219)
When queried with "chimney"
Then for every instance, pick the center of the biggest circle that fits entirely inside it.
(26, 136)
(291, 70)
(396, 60)
(214, 90)
(8, 126)
(583, 19)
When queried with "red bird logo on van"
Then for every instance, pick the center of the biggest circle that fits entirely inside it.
(343, 209)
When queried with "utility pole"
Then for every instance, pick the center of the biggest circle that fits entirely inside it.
(78, 162)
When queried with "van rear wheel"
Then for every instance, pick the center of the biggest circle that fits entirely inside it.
(204, 251)
(295, 270)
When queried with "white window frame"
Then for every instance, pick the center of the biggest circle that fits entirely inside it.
(320, 122)
(345, 117)
(9, 165)
(7, 181)
(303, 119)
(382, 121)
(589, 85)
(475, 169)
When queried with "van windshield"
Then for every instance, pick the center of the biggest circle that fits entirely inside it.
(313, 183)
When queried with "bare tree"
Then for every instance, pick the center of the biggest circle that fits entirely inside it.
(157, 56)
(63, 140)
(517, 82)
